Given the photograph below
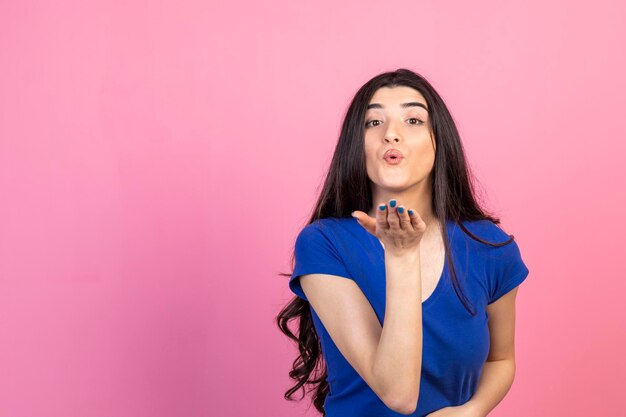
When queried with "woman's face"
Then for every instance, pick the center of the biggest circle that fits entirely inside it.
(395, 119)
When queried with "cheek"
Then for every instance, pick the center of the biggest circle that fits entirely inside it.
(427, 162)
(370, 154)
(368, 151)
(423, 157)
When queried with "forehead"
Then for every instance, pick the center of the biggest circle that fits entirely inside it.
(390, 97)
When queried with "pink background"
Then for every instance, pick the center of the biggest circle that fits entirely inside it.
(157, 160)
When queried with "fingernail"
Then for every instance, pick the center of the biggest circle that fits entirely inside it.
(382, 207)
(352, 214)
(392, 203)
(410, 212)
(400, 210)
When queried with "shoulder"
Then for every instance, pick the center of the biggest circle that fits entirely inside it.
(316, 252)
(484, 229)
(329, 231)
(487, 230)
(328, 227)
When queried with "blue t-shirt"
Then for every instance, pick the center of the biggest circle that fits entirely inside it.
(455, 344)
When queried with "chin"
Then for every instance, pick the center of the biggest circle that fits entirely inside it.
(395, 187)
(398, 185)
(395, 181)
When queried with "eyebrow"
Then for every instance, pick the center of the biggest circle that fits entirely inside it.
(403, 105)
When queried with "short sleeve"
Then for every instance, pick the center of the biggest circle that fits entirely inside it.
(315, 253)
(509, 272)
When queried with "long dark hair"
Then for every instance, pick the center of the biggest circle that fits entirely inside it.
(347, 188)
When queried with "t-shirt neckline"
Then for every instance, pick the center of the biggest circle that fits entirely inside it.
(444, 273)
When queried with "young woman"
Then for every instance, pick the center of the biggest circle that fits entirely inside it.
(405, 286)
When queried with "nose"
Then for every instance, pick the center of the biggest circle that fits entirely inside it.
(391, 139)
(391, 135)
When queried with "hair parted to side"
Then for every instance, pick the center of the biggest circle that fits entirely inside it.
(347, 188)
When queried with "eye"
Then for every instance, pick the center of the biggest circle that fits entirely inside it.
(420, 122)
(370, 123)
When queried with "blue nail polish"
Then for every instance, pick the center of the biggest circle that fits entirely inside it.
(400, 210)
(382, 207)
(410, 212)
(392, 203)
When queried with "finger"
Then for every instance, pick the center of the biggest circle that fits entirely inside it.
(365, 220)
(416, 220)
(405, 220)
(381, 217)
(368, 222)
(392, 216)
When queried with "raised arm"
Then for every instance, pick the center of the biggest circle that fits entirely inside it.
(388, 358)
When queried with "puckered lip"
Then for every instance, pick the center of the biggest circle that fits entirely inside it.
(393, 152)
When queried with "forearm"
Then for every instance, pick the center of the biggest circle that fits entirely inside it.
(398, 359)
(495, 381)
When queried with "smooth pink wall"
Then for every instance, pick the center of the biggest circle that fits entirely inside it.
(158, 158)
